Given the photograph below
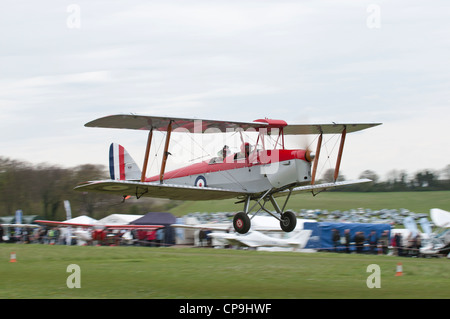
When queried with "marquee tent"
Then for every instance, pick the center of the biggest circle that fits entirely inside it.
(83, 219)
(159, 218)
(155, 218)
(118, 219)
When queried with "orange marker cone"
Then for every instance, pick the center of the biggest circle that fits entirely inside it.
(12, 257)
(399, 270)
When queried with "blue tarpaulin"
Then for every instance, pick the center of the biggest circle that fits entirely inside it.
(321, 236)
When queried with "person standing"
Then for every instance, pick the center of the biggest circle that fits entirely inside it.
(347, 240)
(336, 238)
(384, 242)
(373, 242)
(359, 242)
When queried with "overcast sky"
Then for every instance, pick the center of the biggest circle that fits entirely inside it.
(65, 63)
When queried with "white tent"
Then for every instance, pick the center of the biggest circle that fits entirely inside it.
(83, 219)
(118, 219)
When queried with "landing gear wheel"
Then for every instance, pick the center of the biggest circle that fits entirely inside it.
(241, 223)
(288, 221)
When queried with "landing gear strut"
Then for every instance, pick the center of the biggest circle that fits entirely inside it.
(242, 223)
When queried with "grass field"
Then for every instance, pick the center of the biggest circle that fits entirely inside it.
(418, 202)
(142, 272)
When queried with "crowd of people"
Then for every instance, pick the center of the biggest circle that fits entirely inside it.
(98, 236)
(25, 235)
(347, 242)
(374, 244)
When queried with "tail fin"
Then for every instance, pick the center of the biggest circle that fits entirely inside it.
(300, 239)
(121, 164)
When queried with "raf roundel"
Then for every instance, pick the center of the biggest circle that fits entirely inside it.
(200, 181)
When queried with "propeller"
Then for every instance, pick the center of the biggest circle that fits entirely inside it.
(312, 157)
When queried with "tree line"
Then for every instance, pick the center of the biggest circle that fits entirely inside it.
(399, 181)
(41, 189)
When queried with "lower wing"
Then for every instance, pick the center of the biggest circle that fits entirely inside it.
(184, 192)
(157, 190)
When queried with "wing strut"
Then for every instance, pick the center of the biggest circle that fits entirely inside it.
(316, 159)
(166, 152)
(147, 152)
(341, 149)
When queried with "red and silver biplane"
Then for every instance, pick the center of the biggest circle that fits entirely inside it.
(257, 173)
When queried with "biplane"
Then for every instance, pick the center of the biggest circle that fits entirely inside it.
(255, 175)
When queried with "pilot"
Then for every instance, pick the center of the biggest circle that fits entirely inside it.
(221, 155)
(224, 152)
(245, 151)
(246, 148)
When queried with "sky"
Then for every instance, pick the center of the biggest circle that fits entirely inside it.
(65, 63)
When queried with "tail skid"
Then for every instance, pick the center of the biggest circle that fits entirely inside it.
(121, 165)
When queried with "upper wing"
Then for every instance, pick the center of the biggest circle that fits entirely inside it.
(56, 223)
(65, 224)
(320, 187)
(192, 125)
(155, 189)
(20, 225)
(143, 122)
(226, 227)
(299, 129)
(222, 227)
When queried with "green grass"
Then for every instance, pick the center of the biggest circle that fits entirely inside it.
(418, 202)
(142, 272)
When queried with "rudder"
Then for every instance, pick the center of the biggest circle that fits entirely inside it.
(121, 164)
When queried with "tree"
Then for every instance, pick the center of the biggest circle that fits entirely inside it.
(446, 172)
(328, 176)
(397, 180)
(370, 175)
(425, 179)
(88, 203)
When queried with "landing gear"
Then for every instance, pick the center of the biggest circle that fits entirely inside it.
(241, 223)
(288, 221)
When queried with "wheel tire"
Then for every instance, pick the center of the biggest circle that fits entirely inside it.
(288, 221)
(241, 223)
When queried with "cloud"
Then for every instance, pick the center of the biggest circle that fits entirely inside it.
(299, 61)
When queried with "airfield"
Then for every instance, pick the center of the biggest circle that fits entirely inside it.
(136, 272)
(40, 271)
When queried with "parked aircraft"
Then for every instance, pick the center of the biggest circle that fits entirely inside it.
(255, 239)
(439, 240)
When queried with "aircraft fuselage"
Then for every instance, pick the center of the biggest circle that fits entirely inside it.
(260, 171)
